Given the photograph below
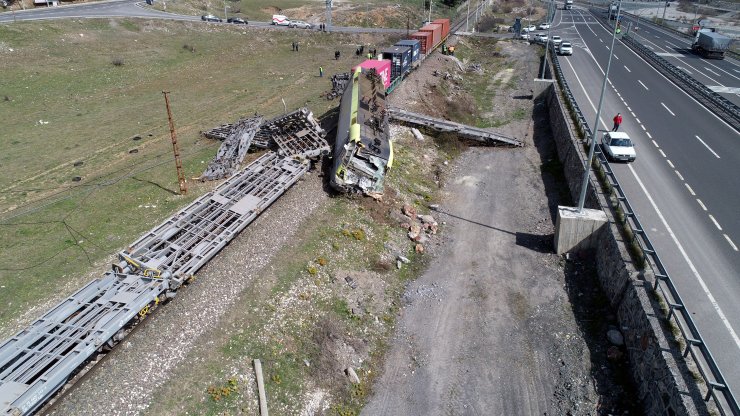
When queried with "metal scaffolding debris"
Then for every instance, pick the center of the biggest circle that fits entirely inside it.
(38, 361)
(295, 134)
(472, 133)
(232, 151)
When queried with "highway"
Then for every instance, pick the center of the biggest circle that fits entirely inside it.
(721, 76)
(684, 184)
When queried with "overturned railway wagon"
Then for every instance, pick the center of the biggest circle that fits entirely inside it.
(363, 151)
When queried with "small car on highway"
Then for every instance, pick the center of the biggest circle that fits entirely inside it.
(236, 20)
(210, 18)
(617, 146)
(541, 38)
(300, 24)
(556, 40)
(530, 28)
(544, 26)
(565, 48)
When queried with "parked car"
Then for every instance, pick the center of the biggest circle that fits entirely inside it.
(300, 24)
(530, 28)
(544, 26)
(556, 40)
(565, 48)
(618, 146)
(236, 20)
(210, 18)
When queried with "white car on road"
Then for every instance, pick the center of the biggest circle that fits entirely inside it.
(618, 146)
(544, 26)
(556, 40)
(530, 28)
(565, 48)
(541, 38)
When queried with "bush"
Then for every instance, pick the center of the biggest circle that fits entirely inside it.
(117, 61)
(187, 47)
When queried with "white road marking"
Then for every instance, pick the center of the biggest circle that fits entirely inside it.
(691, 191)
(673, 167)
(707, 146)
(633, 114)
(628, 70)
(643, 85)
(661, 152)
(629, 109)
(716, 224)
(703, 285)
(607, 47)
(615, 55)
(671, 45)
(685, 70)
(734, 247)
(600, 40)
(656, 144)
(704, 207)
(643, 127)
(638, 120)
(669, 110)
(650, 137)
(695, 272)
(669, 54)
(711, 71)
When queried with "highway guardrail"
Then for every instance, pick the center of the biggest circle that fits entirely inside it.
(717, 389)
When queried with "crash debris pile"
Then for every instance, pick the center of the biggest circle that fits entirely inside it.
(338, 85)
(295, 135)
(237, 139)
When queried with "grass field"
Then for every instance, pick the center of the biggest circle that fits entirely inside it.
(90, 91)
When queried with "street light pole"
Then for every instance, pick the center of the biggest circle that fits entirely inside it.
(591, 150)
(547, 43)
(225, 16)
(467, 17)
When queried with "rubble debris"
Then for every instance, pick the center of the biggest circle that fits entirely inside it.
(351, 282)
(615, 337)
(232, 151)
(419, 248)
(352, 375)
(338, 85)
(295, 134)
(404, 260)
(477, 68)
(417, 134)
(409, 211)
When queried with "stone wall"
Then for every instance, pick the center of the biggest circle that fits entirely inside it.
(664, 382)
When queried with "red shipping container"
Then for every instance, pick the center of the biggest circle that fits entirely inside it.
(425, 38)
(382, 67)
(445, 26)
(436, 30)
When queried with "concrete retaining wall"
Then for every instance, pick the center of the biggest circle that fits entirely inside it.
(664, 382)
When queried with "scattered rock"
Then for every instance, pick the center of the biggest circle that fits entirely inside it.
(417, 134)
(414, 231)
(133, 151)
(137, 137)
(352, 375)
(615, 337)
(351, 282)
(427, 219)
(403, 259)
(398, 264)
(434, 207)
(419, 248)
(78, 164)
(409, 210)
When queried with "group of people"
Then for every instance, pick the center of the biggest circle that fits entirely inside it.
(295, 46)
(371, 53)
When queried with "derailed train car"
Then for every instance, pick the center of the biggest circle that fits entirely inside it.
(363, 151)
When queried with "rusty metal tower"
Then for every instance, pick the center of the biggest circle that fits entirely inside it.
(175, 148)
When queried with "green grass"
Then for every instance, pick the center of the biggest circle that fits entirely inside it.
(62, 73)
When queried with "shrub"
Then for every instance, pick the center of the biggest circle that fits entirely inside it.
(117, 61)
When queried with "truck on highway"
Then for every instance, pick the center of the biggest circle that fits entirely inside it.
(710, 44)
(568, 5)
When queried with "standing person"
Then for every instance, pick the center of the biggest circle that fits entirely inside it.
(296, 46)
(293, 44)
(617, 121)
(321, 71)
(336, 55)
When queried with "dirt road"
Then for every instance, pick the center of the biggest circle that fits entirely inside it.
(489, 329)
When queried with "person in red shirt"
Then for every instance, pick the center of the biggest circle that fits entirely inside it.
(617, 121)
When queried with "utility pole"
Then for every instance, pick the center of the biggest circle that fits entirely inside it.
(225, 17)
(328, 15)
(467, 17)
(175, 149)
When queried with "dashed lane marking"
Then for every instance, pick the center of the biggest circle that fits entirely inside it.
(684, 70)
(638, 120)
(727, 237)
(633, 114)
(649, 136)
(716, 224)
(673, 167)
(691, 191)
(707, 146)
(704, 207)
(628, 70)
(643, 127)
(711, 71)
(643, 85)
(661, 152)
(668, 109)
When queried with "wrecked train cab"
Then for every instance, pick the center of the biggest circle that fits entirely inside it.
(363, 151)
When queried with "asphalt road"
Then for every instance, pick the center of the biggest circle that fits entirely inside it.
(684, 184)
(719, 75)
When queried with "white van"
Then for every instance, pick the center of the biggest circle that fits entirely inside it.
(280, 20)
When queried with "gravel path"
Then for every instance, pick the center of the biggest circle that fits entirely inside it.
(488, 329)
(122, 384)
